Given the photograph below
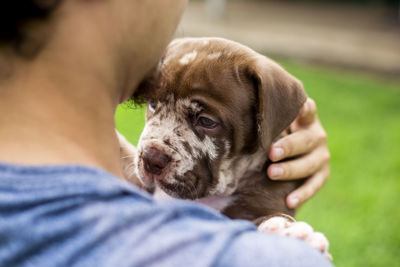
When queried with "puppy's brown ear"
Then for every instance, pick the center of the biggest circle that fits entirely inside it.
(280, 98)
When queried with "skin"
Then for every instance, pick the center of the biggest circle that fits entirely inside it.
(308, 144)
(60, 106)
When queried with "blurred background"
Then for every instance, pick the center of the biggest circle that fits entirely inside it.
(364, 34)
(347, 54)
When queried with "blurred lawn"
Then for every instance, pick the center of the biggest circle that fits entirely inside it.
(358, 209)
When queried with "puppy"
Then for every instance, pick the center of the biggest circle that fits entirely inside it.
(213, 110)
(212, 114)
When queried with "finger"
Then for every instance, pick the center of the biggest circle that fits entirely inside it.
(297, 143)
(308, 189)
(308, 113)
(302, 167)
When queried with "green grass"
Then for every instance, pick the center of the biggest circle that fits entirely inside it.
(358, 208)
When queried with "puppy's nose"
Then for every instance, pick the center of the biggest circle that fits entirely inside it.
(155, 160)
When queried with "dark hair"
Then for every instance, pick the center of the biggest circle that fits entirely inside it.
(16, 14)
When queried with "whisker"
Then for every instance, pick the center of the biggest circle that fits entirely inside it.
(193, 189)
(127, 157)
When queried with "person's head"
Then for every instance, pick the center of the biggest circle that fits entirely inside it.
(130, 34)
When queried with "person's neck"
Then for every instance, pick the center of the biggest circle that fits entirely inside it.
(60, 114)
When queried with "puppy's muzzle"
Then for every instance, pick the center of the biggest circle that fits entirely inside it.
(155, 161)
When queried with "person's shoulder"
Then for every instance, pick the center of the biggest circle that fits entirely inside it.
(87, 217)
(64, 181)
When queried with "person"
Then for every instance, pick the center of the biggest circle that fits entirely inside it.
(64, 68)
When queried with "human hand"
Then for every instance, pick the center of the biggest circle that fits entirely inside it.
(307, 145)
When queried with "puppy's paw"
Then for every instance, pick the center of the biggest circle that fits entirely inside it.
(276, 224)
(300, 230)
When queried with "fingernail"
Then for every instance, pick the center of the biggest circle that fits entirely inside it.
(293, 202)
(276, 172)
(278, 153)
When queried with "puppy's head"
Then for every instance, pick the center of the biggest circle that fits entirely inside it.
(212, 115)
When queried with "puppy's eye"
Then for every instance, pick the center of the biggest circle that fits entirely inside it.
(207, 123)
(152, 106)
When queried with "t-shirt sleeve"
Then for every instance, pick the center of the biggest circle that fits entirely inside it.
(119, 226)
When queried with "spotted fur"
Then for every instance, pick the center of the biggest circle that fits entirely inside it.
(227, 165)
(168, 130)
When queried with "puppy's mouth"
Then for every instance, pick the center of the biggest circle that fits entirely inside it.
(189, 185)
(184, 188)
(177, 190)
(147, 181)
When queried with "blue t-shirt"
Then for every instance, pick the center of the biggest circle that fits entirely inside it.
(80, 216)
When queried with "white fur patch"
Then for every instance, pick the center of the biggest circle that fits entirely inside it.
(187, 58)
(205, 42)
(214, 56)
(218, 203)
(160, 195)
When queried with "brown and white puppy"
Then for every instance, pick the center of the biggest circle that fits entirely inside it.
(212, 114)
(213, 110)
